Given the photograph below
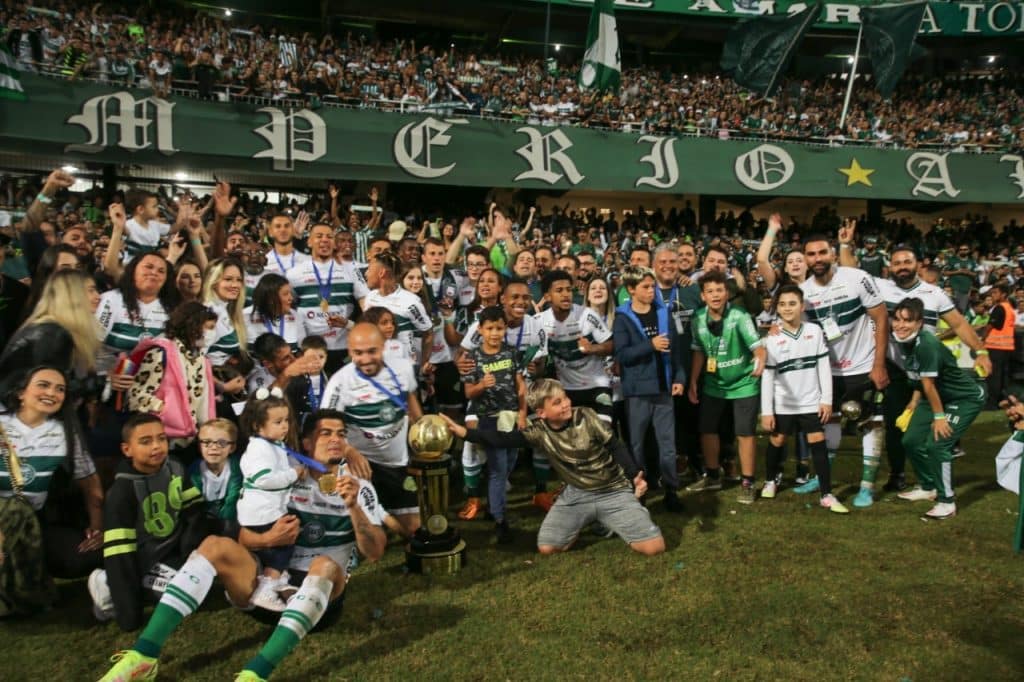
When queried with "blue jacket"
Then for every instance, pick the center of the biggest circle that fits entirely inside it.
(639, 363)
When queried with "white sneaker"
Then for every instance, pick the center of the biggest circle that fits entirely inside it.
(917, 494)
(102, 600)
(941, 510)
(769, 490)
(266, 597)
(284, 588)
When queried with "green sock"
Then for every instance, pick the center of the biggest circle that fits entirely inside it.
(303, 613)
(181, 598)
(273, 652)
(160, 626)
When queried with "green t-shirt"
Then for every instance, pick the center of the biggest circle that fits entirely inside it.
(961, 283)
(732, 351)
(926, 356)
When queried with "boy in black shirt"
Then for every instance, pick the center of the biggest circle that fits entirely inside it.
(497, 393)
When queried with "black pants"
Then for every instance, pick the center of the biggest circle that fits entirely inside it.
(63, 560)
(999, 380)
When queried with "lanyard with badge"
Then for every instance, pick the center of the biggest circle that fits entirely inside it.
(678, 316)
(325, 291)
(387, 413)
(828, 322)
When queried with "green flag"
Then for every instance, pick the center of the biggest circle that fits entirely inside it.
(10, 76)
(602, 65)
(889, 34)
(758, 50)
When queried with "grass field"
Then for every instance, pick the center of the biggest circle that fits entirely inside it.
(778, 590)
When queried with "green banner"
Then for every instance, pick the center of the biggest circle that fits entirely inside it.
(940, 19)
(91, 122)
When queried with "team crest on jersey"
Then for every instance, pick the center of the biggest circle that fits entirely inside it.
(313, 531)
(387, 413)
(28, 472)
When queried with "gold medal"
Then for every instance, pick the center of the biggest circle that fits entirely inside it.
(328, 482)
(712, 365)
(324, 305)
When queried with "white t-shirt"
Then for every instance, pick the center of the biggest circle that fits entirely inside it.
(576, 371)
(936, 304)
(141, 238)
(283, 265)
(844, 302)
(410, 315)
(377, 426)
(289, 328)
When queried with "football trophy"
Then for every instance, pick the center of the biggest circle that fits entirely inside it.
(436, 548)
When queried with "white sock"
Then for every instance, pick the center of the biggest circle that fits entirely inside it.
(190, 585)
(307, 606)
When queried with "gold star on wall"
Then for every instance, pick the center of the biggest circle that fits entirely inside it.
(855, 173)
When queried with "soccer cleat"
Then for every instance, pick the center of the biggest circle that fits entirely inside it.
(471, 509)
(769, 490)
(897, 483)
(864, 498)
(131, 665)
(102, 600)
(833, 505)
(941, 511)
(543, 501)
(266, 595)
(917, 494)
(705, 483)
(248, 676)
(746, 494)
(811, 486)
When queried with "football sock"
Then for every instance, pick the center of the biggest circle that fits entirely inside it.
(302, 614)
(182, 598)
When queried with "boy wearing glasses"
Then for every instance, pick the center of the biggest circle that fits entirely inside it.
(218, 475)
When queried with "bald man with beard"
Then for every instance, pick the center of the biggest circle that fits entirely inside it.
(378, 401)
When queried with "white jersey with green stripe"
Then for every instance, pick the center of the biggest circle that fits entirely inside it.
(283, 265)
(120, 331)
(576, 371)
(936, 304)
(139, 238)
(410, 315)
(376, 416)
(325, 523)
(343, 287)
(227, 345)
(846, 299)
(290, 327)
(797, 378)
(40, 451)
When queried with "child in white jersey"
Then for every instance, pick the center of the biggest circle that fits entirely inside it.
(796, 393)
(268, 476)
(384, 319)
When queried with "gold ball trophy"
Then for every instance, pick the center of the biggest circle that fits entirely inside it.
(436, 548)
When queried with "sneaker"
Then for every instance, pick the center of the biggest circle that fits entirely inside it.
(897, 483)
(958, 452)
(705, 483)
(543, 501)
(811, 486)
(833, 505)
(471, 509)
(503, 533)
(284, 587)
(800, 479)
(731, 472)
(266, 596)
(803, 473)
(917, 494)
(941, 511)
(864, 498)
(248, 676)
(769, 490)
(672, 503)
(102, 600)
(746, 494)
(131, 665)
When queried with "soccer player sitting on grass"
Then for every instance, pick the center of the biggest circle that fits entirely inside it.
(351, 512)
(953, 398)
(796, 393)
(602, 480)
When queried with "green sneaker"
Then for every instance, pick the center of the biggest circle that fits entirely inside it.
(746, 494)
(705, 483)
(249, 676)
(130, 665)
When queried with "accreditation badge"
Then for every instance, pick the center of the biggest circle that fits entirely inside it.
(831, 329)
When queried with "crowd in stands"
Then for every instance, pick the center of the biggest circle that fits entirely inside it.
(217, 58)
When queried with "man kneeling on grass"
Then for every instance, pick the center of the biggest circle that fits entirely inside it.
(318, 567)
(602, 480)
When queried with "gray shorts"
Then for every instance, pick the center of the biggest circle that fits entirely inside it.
(617, 510)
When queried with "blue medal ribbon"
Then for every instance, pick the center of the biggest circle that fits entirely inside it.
(314, 399)
(325, 291)
(396, 397)
(298, 456)
(284, 270)
(270, 327)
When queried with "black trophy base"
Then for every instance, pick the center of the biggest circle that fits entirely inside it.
(442, 554)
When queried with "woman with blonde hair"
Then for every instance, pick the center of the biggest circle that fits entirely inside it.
(60, 332)
(224, 292)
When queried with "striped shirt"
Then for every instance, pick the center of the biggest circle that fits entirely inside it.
(845, 300)
(120, 331)
(40, 451)
(797, 378)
